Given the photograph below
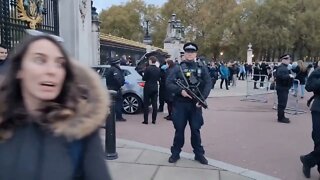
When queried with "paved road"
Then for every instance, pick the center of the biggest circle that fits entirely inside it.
(245, 134)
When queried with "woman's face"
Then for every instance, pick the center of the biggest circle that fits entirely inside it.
(42, 72)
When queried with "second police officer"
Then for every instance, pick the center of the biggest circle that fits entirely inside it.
(283, 83)
(184, 108)
(115, 80)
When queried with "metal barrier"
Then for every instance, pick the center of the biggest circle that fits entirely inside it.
(256, 91)
(292, 104)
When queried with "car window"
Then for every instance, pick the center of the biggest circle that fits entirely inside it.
(101, 71)
(125, 72)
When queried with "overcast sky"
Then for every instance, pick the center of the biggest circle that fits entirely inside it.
(104, 4)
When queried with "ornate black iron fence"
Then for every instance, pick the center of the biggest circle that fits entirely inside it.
(18, 15)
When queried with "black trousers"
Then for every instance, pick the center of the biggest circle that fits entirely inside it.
(184, 112)
(150, 98)
(170, 104)
(313, 157)
(282, 102)
(213, 82)
(226, 81)
(162, 94)
(262, 81)
(119, 105)
(241, 76)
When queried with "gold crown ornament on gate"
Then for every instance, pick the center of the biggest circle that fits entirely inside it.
(31, 11)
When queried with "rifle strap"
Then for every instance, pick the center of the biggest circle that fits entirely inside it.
(184, 77)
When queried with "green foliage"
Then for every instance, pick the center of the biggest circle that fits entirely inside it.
(272, 26)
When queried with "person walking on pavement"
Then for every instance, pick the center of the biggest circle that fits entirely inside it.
(185, 109)
(51, 112)
(151, 77)
(214, 74)
(256, 75)
(263, 73)
(313, 158)
(224, 72)
(300, 79)
(283, 83)
(115, 80)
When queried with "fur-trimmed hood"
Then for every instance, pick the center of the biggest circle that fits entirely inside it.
(89, 113)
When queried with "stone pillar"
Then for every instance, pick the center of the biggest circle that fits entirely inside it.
(249, 54)
(174, 40)
(95, 36)
(76, 29)
(174, 49)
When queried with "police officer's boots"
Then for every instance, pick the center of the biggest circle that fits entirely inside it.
(201, 159)
(173, 159)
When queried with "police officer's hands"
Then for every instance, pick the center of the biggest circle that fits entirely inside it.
(198, 105)
(185, 94)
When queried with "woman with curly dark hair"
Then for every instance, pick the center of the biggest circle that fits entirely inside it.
(50, 112)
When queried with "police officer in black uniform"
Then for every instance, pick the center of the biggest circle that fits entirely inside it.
(115, 80)
(313, 158)
(185, 109)
(284, 81)
(151, 77)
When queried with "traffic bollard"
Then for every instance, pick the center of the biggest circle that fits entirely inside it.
(110, 139)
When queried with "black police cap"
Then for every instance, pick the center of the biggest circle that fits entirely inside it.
(190, 47)
(285, 56)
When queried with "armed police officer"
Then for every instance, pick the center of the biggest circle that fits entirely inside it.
(284, 81)
(115, 80)
(185, 109)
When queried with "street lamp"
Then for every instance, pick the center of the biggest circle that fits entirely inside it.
(221, 53)
(147, 38)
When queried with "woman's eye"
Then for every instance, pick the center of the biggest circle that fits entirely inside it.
(39, 60)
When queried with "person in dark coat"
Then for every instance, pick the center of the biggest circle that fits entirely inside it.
(51, 112)
(256, 75)
(313, 158)
(214, 74)
(301, 76)
(162, 85)
(151, 77)
(185, 108)
(115, 80)
(169, 94)
(263, 73)
(283, 83)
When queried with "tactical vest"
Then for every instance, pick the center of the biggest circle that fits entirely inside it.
(192, 74)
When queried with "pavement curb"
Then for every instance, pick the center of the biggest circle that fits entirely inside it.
(219, 164)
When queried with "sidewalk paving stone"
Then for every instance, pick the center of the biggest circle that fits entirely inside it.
(179, 173)
(226, 175)
(156, 158)
(193, 164)
(128, 154)
(124, 171)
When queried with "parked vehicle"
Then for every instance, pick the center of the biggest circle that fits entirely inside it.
(132, 91)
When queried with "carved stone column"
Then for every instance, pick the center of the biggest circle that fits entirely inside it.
(76, 29)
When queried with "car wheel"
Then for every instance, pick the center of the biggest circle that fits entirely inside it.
(131, 104)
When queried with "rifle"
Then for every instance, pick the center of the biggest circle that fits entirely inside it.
(196, 98)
